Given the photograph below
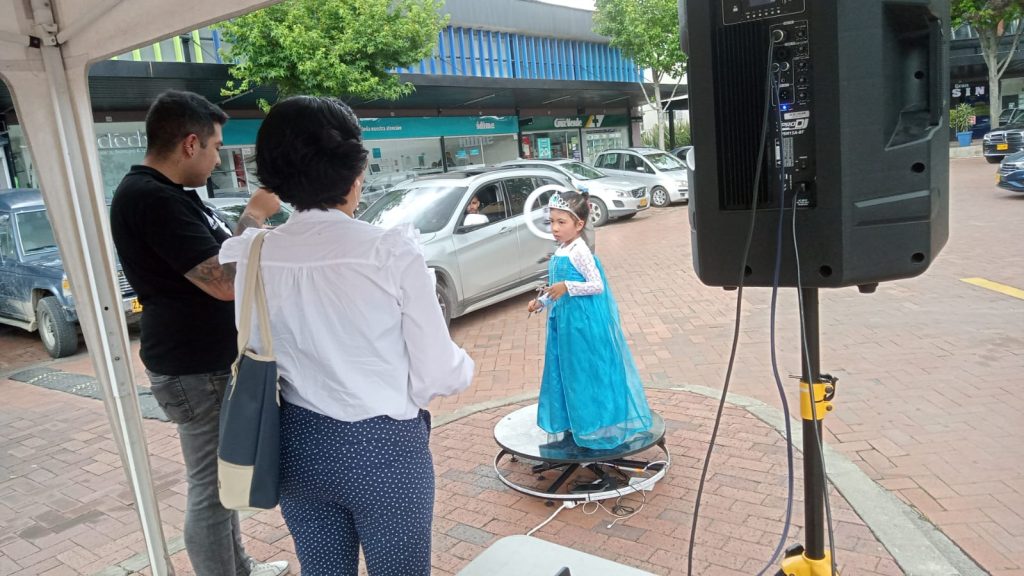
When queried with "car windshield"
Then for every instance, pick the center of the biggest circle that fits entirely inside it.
(35, 232)
(427, 208)
(233, 212)
(582, 171)
(664, 161)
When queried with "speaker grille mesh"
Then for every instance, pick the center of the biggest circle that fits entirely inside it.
(740, 59)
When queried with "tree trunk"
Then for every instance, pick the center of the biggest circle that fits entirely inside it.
(989, 41)
(661, 111)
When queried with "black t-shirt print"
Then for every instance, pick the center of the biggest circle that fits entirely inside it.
(161, 231)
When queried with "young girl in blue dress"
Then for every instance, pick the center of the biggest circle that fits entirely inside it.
(590, 386)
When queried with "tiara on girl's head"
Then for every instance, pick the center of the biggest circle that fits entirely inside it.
(558, 203)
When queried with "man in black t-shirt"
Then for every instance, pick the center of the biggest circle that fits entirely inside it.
(168, 243)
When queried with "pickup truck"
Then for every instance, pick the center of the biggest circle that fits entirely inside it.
(34, 290)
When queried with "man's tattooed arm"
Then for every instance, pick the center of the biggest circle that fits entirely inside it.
(215, 279)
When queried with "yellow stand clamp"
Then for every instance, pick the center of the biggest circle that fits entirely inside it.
(824, 391)
(801, 565)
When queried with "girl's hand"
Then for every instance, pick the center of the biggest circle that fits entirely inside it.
(556, 291)
(533, 306)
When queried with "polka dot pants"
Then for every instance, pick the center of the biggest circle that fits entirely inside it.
(351, 484)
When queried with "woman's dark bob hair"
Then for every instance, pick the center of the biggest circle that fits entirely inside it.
(309, 151)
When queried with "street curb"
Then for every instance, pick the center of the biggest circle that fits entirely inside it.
(916, 544)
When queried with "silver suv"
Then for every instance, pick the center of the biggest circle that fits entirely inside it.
(610, 197)
(663, 174)
(492, 257)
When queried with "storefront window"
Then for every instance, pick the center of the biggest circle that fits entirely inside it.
(552, 144)
(411, 156)
(599, 140)
(478, 151)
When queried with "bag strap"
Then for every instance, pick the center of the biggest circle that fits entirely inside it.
(253, 294)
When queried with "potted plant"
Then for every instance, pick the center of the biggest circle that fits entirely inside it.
(960, 120)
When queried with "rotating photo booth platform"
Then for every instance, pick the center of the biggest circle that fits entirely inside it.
(529, 454)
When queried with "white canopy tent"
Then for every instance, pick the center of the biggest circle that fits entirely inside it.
(46, 48)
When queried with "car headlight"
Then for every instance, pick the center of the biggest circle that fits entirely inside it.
(621, 194)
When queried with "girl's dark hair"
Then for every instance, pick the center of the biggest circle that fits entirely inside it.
(309, 151)
(579, 203)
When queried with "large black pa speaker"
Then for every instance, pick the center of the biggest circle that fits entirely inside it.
(861, 88)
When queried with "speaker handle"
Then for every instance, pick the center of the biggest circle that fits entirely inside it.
(935, 72)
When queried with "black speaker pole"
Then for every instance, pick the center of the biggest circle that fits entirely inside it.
(812, 559)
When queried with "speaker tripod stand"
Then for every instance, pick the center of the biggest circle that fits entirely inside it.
(811, 558)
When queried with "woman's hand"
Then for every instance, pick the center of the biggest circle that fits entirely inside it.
(556, 291)
(533, 306)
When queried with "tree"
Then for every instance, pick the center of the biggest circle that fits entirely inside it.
(989, 19)
(646, 31)
(331, 47)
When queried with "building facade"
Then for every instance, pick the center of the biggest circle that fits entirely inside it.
(507, 79)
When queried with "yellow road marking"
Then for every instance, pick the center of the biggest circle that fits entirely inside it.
(996, 287)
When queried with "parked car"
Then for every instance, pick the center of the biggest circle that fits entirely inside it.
(610, 198)
(1011, 173)
(34, 290)
(476, 265)
(1007, 117)
(1002, 142)
(376, 185)
(230, 210)
(680, 152)
(663, 174)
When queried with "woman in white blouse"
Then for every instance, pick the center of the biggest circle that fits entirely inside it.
(361, 347)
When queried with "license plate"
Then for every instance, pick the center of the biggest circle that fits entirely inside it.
(643, 202)
(999, 178)
(136, 306)
(1002, 146)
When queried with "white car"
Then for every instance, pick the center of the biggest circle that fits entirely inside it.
(663, 174)
(610, 197)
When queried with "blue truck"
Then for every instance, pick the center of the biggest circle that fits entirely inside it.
(34, 290)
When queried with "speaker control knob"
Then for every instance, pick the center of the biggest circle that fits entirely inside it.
(778, 36)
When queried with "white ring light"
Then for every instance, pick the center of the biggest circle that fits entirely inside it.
(529, 203)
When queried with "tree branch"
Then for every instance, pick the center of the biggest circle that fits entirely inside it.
(1013, 48)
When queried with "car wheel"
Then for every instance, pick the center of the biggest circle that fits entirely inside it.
(60, 337)
(993, 159)
(598, 212)
(445, 301)
(659, 197)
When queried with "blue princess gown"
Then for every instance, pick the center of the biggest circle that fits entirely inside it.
(590, 386)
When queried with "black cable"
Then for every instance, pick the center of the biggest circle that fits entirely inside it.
(739, 308)
(814, 409)
(774, 306)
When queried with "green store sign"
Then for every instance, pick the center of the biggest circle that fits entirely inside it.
(576, 122)
(243, 132)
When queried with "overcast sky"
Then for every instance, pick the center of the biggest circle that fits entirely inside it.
(589, 4)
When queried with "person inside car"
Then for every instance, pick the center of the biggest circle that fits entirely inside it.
(473, 215)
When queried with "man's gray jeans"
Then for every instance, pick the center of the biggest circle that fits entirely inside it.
(213, 537)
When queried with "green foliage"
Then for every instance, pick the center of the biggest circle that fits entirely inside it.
(682, 132)
(331, 47)
(647, 31)
(984, 13)
(960, 117)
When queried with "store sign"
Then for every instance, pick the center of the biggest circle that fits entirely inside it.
(543, 147)
(122, 140)
(964, 90)
(433, 127)
(577, 122)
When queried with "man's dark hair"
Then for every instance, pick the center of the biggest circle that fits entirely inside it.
(175, 115)
(309, 151)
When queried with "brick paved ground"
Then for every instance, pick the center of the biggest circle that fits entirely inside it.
(927, 401)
